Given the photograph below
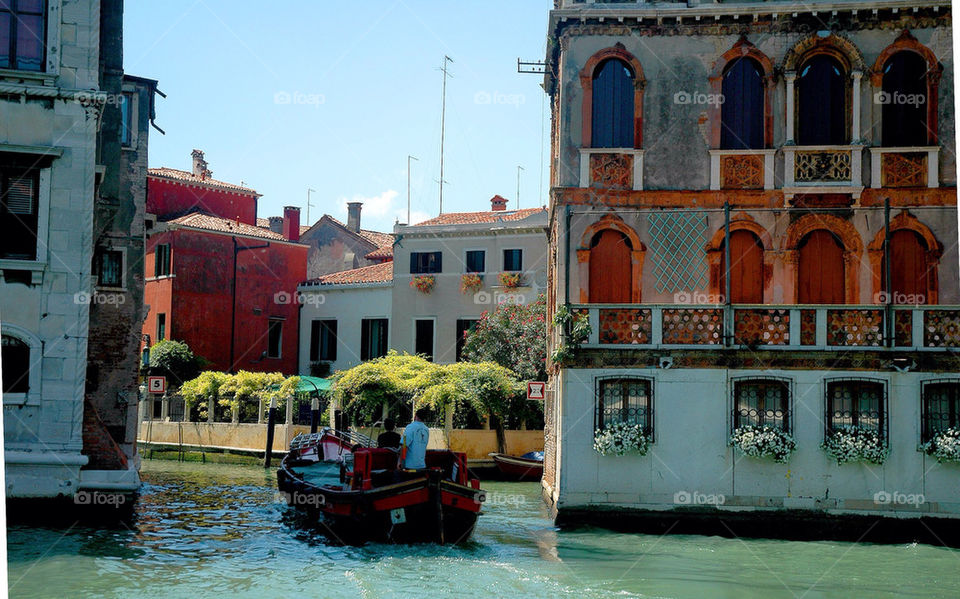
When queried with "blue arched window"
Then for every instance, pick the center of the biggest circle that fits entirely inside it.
(904, 100)
(822, 102)
(613, 105)
(742, 110)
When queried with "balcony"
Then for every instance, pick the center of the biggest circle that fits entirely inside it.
(905, 167)
(764, 327)
(741, 169)
(611, 168)
(823, 169)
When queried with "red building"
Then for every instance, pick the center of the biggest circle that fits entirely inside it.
(217, 281)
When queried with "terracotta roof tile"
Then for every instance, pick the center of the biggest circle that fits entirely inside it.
(381, 253)
(378, 273)
(188, 177)
(198, 220)
(476, 218)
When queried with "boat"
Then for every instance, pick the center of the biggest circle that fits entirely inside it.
(529, 466)
(365, 497)
(328, 445)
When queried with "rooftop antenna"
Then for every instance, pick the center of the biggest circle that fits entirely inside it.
(309, 204)
(443, 120)
(409, 158)
(519, 168)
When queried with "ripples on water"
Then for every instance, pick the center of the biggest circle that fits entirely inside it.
(210, 530)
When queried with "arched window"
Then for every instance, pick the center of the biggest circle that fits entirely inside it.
(908, 273)
(822, 102)
(904, 100)
(613, 105)
(626, 400)
(15, 357)
(761, 402)
(610, 268)
(742, 111)
(746, 268)
(821, 272)
(856, 403)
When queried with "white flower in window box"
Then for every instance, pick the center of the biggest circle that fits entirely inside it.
(945, 445)
(764, 442)
(856, 444)
(620, 439)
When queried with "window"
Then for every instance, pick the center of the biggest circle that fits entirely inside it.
(822, 102)
(941, 407)
(625, 400)
(323, 340)
(22, 34)
(761, 402)
(512, 260)
(373, 338)
(110, 268)
(15, 355)
(611, 268)
(904, 100)
(746, 268)
(423, 338)
(909, 272)
(161, 260)
(464, 326)
(274, 337)
(821, 275)
(126, 119)
(425, 263)
(856, 403)
(476, 261)
(19, 194)
(161, 327)
(742, 111)
(612, 124)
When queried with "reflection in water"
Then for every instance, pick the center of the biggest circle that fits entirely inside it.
(210, 530)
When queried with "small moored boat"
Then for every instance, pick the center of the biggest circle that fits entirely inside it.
(529, 466)
(369, 499)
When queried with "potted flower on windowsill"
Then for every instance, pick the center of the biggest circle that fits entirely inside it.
(764, 442)
(855, 444)
(511, 280)
(424, 283)
(945, 445)
(471, 283)
(620, 439)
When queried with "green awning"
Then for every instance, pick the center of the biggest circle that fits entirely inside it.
(311, 384)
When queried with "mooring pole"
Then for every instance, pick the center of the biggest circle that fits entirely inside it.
(271, 420)
(314, 414)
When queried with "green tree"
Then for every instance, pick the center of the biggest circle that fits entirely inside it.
(174, 360)
(513, 336)
(392, 380)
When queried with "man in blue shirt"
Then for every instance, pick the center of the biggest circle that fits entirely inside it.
(413, 444)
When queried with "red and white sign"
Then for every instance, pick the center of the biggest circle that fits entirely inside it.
(157, 384)
(536, 390)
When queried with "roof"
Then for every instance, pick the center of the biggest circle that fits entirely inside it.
(198, 220)
(312, 384)
(264, 223)
(378, 273)
(381, 253)
(382, 242)
(475, 218)
(189, 177)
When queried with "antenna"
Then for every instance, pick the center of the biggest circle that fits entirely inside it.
(519, 168)
(309, 204)
(409, 158)
(443, 120)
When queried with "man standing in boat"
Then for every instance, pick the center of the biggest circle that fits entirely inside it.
(413, 444)
(389, 438)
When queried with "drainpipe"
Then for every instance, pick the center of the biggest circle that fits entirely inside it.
(727, 311)
(566, 257)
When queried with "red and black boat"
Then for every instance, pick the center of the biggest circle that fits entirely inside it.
(529, 466)
(369, 499)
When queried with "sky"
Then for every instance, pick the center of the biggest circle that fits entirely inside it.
(333, 96)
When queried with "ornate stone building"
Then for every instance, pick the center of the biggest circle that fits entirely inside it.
(754, 205)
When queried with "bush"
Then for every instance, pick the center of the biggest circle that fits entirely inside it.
(513, 336)
(174, 360)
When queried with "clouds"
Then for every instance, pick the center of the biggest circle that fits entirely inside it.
(380, 212)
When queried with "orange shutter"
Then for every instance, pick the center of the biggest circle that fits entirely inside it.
(610, 278)
(821, 269)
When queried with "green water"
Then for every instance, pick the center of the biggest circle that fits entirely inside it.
(211, 530)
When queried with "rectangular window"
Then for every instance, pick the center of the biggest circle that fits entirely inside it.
(625, 400)
(941, 407)
(464, 326)
(274, 337)
(856, 403)
(762, 402)
(22, 34)
(161, 327)
(19, 198)
(512, 260)
(126, 119)
(373, 338)
(422, 263)
(423, 342)
(161, 260)
(476, 261)
(15, 357)
(110, 268)
(323, 340)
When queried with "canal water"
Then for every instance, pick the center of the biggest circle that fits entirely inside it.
(210, 530)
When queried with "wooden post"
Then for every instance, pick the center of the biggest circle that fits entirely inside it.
(314, 414)
(211, 409)
(271, 420)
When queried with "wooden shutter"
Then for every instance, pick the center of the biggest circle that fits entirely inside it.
(908, 256)
(820, 278)
(746, 269)
(610, 268)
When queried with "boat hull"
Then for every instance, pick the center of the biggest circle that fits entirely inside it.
(517, 468)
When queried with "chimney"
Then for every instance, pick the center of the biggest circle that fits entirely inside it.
(200, 169)
(353, 216)
(498, 204)
(276, 224)
(291, 223)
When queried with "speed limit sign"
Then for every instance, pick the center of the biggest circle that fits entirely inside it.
(157, 384)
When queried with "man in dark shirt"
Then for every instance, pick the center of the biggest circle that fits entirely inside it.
(389, 439)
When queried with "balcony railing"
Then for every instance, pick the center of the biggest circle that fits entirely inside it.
(611, 168)
(766, 327)
(741, 169)
(905, 167)
(819, 169)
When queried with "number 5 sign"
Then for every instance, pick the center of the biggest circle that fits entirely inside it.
(157, 384)
(536, 390)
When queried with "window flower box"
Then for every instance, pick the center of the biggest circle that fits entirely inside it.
(511, 280)
(424, 283)
(945, 446)
(620, 439)
(471, 283)
(764, 442)
(855, 444)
